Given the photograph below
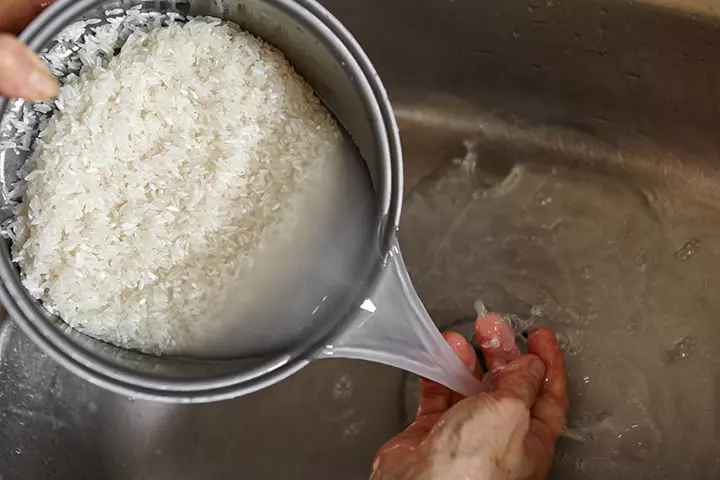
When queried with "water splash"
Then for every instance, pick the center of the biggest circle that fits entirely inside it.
(519, 325)
(688, 250)
(542, 200)
(571, 342)
(684, 348)
(343, 387)
(481, 308)
(640, 260)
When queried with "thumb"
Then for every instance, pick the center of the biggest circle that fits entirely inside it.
(22, 74)
(521, 379)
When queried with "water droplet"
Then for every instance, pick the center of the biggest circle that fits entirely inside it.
(586, 273)
(640, 260)
(632, 326)
(570, 342)
(586, 380)
(542, 200)
(343, 387)
(537, 311)
(18, 451)
(684, 348)
(688, 250)
(354, 429)
(516, 34)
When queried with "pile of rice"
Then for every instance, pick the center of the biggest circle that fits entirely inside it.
(166, 168)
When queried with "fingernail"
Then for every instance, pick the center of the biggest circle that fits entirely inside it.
(494, 331)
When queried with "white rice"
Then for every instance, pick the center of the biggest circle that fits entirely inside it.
(167, 168)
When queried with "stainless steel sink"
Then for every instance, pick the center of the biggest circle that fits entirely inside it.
(562, 165)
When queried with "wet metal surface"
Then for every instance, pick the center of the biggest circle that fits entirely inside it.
(562, 165)
(625, 275)
(323, 422)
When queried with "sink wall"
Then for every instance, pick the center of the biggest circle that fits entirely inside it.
(561, 165)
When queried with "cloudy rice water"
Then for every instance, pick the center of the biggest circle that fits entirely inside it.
(170, 168)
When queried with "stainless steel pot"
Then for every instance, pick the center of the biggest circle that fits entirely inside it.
(321, 50)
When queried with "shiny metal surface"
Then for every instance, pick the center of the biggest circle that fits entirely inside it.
(561, 164)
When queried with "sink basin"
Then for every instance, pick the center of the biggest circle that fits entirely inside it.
(561, 163)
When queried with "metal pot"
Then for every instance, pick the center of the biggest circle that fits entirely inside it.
(321, 50)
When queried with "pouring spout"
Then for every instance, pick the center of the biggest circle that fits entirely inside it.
(393, 328)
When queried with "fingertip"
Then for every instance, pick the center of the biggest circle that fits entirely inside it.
(492, 326)
(543, 332)
(454, 338)
(497, 340)
(543, 343)
(22, 74)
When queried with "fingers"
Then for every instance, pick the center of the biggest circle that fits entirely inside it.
(16, 14)
(435, 398)
(497, 340)
(464, 351)
(467, 355)
(522, 380)
(22, 74)
(551, 407)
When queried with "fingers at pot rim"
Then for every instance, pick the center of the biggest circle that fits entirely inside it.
(16, 14)
(22, 74)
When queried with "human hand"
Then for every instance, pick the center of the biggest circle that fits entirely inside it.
(22, 74)
(506, 433)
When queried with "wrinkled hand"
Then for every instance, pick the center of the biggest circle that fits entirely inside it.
(508, 433)
(22, 74)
